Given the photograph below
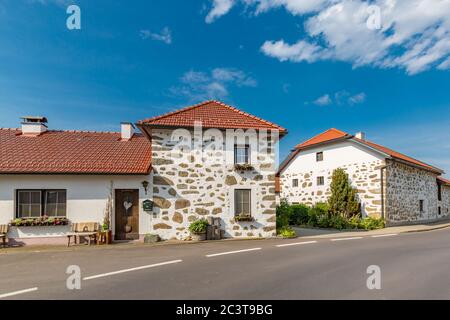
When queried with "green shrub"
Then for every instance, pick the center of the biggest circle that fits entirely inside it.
(198, 226)
(338, 222)
(343, 200)
(286, 232)
(299, 214)
(283, 213)
(370, 223)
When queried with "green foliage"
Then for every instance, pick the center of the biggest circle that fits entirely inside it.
(198, 226)
(343, 200)
(283, 214)
(298, 214)
(286, 232)
(370, 223)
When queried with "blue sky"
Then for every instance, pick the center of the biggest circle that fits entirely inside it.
(307, 65)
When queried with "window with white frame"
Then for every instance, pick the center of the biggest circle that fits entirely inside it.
(242, 202)
(241, 154)
(319, 156)
(37, 203)
(295, 183)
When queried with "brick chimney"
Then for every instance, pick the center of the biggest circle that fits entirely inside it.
(127, 130)
(33, 126)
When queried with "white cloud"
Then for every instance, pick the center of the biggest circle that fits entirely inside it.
(165, 35)
(197, 85)
(340, 98)
(219, 8)
(414, 34)
(323, 100)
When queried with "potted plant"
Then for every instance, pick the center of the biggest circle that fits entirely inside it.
(107, 232)
(243, 217)
(198, 229)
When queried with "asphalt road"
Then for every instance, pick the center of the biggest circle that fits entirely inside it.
(413, 266)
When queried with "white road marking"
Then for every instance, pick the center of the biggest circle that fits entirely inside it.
(385, 235)
(131, 269)
(231, 252)
(295, 244)
(343, 239)
(5, 295)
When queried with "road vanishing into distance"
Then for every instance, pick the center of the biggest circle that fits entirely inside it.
(412, 266)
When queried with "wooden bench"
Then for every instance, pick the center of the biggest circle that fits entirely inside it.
(86, 230)
(4, 233)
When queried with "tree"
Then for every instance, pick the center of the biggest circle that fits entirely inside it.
(343, 200)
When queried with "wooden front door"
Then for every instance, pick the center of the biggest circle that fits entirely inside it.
(127, 214)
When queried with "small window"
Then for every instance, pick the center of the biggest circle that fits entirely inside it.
(319, 156)
(242, 204)
(439, 211)
(241, 154)
(439, 192)
(37, 203)
(295, 183)
(320, 181)
(421, 205)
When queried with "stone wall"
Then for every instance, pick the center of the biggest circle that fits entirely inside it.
(365, 176)
(188, 188)
(406, 186)
(445, 202)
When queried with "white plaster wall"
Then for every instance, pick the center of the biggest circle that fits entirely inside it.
(86, 198)
(361, 164)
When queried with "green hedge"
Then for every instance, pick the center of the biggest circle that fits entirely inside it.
(319, 216)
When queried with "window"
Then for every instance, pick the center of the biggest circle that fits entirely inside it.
(36, 203)
(421, 205)
(242, 199)
(319, 156)
(439, 211)
(320, 181)
(241, 154)
(295, 183)
(29, 204)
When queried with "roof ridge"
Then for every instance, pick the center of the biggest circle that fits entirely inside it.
(217, 102)
(331, 129)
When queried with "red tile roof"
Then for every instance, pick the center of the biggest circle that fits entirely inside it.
(444, 181)
(73, 152)
(333, 135)
(212, 114)
(327, 136)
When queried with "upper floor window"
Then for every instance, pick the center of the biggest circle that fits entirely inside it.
(319, 156)
(439, 192)
(421, 205)
(37, 203)
(295, 183)
(320, 181)
(241, 154)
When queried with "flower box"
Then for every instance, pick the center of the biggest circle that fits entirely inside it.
(243, 166)
(244, 217)
(39, 222)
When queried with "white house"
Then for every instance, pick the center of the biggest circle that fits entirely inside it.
(389, 184)
(205, 160)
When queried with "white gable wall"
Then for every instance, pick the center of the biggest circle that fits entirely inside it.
(361, 163)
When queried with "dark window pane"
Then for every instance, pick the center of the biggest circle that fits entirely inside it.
(36, 197)
(24, 197)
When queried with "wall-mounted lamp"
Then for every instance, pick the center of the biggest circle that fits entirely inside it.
(145, 185)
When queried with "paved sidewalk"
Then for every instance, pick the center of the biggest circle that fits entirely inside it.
(333, 233)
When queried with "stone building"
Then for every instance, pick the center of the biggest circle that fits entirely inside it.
(213, 160)
(389, 184)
